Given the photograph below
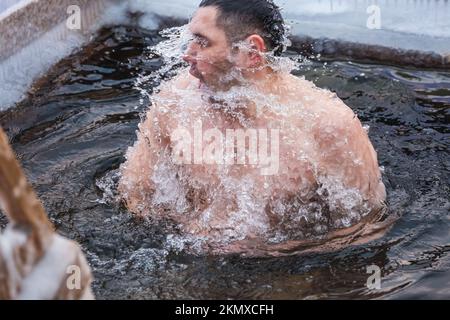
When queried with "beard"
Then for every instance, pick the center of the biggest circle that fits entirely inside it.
(220, 75)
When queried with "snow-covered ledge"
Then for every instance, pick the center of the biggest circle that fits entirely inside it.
(400, 24)
(414, 33)
(35, 34)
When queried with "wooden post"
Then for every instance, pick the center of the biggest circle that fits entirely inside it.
(30, 239)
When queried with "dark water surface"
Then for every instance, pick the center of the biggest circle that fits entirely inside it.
(77, 123)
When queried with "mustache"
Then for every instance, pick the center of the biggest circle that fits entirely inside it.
(223, 66)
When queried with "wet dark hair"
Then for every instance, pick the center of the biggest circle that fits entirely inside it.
(242, 18)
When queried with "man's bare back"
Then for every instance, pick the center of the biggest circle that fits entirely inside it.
(326, 178)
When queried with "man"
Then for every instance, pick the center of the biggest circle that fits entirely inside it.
(301, 166)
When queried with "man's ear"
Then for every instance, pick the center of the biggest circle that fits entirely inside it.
(258, 47)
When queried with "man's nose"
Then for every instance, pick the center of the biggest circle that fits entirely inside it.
(188, 58)
(190, 54)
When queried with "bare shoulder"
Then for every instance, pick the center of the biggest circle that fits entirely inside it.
(322, 108)
(164, 101)
(181, 82)
(171, 94)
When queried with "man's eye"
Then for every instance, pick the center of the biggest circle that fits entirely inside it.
(202, 42)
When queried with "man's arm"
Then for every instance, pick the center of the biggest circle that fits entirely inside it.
(345, 154)
(136, 186)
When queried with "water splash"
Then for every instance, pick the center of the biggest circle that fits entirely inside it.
(215, 206)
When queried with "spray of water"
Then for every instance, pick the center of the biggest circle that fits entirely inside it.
(217, 205)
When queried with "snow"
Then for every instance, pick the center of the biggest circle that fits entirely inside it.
(7, 6)
(9, 240)
(43, 280)
(422, 25)
(47, 276)
(418, 25)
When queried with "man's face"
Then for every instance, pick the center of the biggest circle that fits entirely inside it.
(208, 52)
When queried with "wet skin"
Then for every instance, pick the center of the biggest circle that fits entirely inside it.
(321, 143)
